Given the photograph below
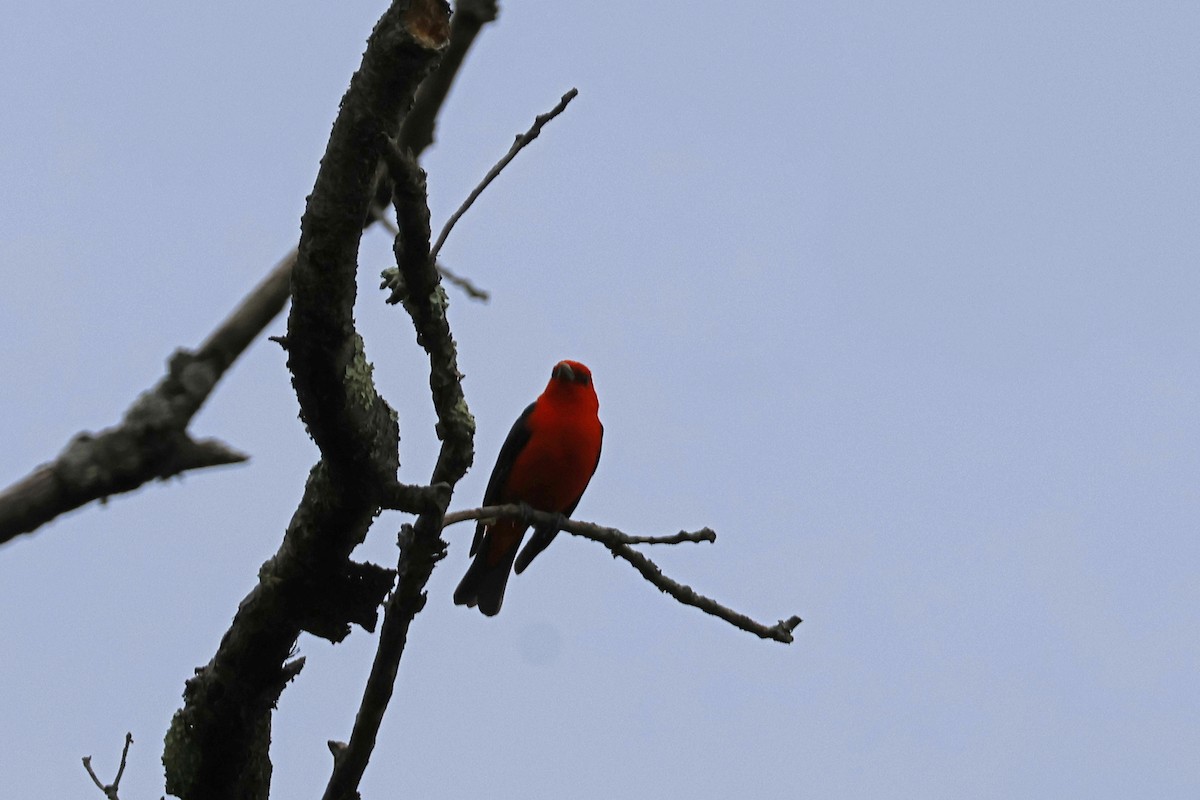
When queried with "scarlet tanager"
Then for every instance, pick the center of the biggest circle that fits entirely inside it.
(546, 463)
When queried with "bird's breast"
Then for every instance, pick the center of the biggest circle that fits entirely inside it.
(555, 466)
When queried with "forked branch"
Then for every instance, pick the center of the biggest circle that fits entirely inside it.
(110, 789)
(218, 743)
(421, 546)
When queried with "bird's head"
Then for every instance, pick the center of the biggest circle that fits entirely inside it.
(571, 382)
(571, 372)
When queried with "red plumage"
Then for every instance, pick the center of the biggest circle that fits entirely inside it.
(546, 462)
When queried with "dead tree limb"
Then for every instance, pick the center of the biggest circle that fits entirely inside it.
(217, 746)
(421, 545)
(152, 442)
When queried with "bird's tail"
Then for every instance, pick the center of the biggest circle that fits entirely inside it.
(484, 583)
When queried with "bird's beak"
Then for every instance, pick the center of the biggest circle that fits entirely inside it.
(563, 372)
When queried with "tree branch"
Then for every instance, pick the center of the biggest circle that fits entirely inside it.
(152, 441)
(618, 543)
(469, 289)
(148, 446)
(421, 545)
(519, 143)
(416, 499)
(217, 746)
(393, 278)
(597, 532)
(110, 790)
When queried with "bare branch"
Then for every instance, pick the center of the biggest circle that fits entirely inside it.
(470, 289)
(421, 545)
(520, 142)
(110, 790)
(218, 742)
(779, 632)
(416, 499)
(152, 441)
(254, 313)
(124, 754)
(121, 459)
(587, 529)
(618, 543)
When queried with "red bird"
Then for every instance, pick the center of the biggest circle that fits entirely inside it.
(546, 462)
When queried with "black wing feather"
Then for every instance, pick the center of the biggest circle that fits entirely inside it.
(514, 443)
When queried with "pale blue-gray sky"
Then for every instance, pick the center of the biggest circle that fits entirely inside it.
(901, 299)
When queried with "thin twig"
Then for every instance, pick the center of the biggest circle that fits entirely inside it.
(618, 543)
(520, 142)
(471, 290)
(590, 530)
(779, 632)
(124, 754)
(110, 790)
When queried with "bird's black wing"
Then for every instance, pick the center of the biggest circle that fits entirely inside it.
(518, 437)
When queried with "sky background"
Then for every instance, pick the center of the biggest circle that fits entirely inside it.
(899, 298)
